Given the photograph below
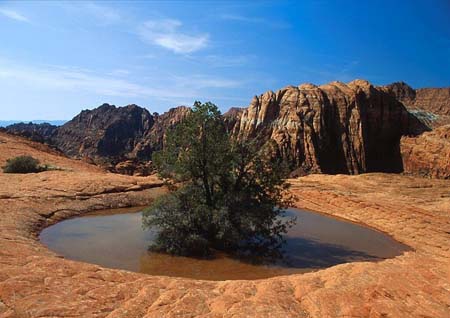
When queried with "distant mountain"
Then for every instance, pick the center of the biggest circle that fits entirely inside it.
(333, 128)
(4, 123)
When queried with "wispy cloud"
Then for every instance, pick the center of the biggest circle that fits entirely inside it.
(119, 72)
(254, 20)
(14, 15)
(115, 83)
(168, 33)
(102, 15)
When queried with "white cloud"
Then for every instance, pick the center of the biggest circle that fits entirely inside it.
(14, 15)
(166, 33)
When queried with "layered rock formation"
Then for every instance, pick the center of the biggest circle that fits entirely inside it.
(428, 154)
(430, 105)
(107, 132)
(121, 139)
(153, 139)
(334, 128)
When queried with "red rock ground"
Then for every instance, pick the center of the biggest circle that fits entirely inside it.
(34, 282)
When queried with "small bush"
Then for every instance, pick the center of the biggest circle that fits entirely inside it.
(23, 164)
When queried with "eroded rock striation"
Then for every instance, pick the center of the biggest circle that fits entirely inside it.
(428, 154)
(430, 105)
(335, 128)
(36, 282)
(107, 132)
(120, 139)
(153, 139)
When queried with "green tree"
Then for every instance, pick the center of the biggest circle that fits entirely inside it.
(225, 195)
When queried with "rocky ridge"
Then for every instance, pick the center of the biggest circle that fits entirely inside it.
(334, 128)
(430, 105)
(37, 132)
(120, 139)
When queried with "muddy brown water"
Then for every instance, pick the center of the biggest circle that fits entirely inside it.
(115, 239)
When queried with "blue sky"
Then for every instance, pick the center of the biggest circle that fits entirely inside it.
(57, 58)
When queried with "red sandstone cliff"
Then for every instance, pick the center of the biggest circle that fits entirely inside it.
(334, 128)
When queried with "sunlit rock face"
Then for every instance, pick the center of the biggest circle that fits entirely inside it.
(334, 128)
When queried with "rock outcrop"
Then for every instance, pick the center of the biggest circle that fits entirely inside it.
(106, 133)
(428, 154)
(430, 105)
(334, 128)
(120, 139)
(37, 132)
(153, 139)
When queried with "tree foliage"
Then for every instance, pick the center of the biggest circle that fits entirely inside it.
(22, 164)
(225, 195)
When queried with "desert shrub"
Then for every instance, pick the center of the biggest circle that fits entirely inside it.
(23, 164)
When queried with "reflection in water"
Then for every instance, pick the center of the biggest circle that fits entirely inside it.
(116, 239)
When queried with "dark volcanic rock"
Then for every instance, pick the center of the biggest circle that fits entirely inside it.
(105, 133)
(121, 139)
(37, 132)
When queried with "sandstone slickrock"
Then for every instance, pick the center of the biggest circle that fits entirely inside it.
(35, 282)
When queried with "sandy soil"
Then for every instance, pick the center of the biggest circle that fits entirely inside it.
(34, 282)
